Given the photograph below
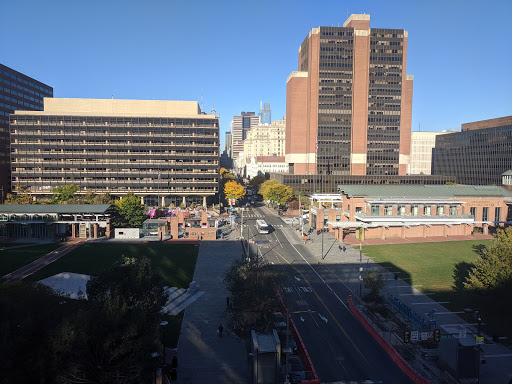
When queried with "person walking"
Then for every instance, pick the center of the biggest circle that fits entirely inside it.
(220, 329)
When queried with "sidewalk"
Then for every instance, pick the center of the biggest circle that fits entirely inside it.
(345, 264)
(204, 356)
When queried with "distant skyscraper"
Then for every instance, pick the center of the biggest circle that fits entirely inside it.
(17, 92)
(349, 107)
(265, 114)
(229, 143)
(239, 127)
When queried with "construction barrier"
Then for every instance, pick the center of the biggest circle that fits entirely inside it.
(395, 356)
(302, 348)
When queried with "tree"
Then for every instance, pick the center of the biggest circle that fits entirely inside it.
(256, 181)
(111, 341)
(233, 190)
(227, 177)
(280, 193)
(130, 213)
(64, 193)
(374, 281)
(21, 197)
(253, 288)
(223, 171)
(493, 270)
(30, 313)
(263, 191)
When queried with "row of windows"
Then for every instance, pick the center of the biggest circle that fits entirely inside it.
(47, 90)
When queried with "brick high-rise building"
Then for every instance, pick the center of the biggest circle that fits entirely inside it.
(349, 107)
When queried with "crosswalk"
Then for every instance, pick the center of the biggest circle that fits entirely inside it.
(180, 298)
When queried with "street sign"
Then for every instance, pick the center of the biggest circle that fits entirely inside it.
(462, 334)
(479, 340)
(414, 335)
(423, 336)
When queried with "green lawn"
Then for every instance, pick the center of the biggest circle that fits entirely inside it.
(176, 263)
(430, 266)
(13, 259)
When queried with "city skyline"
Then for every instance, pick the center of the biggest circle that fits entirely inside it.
(178, 51)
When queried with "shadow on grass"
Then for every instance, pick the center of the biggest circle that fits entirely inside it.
(461, 273)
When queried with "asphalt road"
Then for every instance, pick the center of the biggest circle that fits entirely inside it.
(340, 348)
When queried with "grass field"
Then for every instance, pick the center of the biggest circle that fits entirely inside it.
(430, 266)
(175, 263)
(13, 259)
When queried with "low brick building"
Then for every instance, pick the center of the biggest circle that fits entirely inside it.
(393, 211)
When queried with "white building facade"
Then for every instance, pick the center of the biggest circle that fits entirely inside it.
(266, 164)
(265, 140)
(422, 145)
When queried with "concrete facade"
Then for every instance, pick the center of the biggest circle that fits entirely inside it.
(349, 107)
(265, 140)
(422, 146)
(266, 164)
(240, 125)
(166, 152)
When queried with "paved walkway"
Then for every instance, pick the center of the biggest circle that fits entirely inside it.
(42, 262)
(345, 264)
(204, 356)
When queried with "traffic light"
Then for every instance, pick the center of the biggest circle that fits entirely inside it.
(407, 336)
(437, 335)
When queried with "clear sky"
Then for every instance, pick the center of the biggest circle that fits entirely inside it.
(240, 53)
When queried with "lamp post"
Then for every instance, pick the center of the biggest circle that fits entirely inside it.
(163, 324)
(360, 270)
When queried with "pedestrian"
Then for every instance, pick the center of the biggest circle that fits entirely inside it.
(222, 236)
(220, 329)
(227, 301)
(344, 248)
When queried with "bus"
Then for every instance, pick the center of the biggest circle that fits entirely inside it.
(262, 226)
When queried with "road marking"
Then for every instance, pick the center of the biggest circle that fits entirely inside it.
(301, 319)
(322, 302)
(278, 240)
(323, 318)
(297, 278)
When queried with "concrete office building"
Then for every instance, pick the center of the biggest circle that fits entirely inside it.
(349, 107)
(265, 140)
(261, 165)
(479, 154)
(17, 91)
(239, 128)
(422, 147)
(166, 152)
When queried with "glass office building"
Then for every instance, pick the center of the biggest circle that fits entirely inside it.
(166, 152)
(17, 92)
(479, 154)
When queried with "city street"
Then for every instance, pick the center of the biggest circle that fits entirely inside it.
(339, 346)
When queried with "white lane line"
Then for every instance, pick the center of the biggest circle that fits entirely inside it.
(278, 240)
(320, 277)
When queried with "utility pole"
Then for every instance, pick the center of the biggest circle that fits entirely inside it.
(248, 246)
(360, 270)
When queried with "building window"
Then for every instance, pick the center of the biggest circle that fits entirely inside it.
(472, 212)
(497, 214)
(428, 210)
(440, 210)
(338, 217)
(485, 214)
(359, 209)
(375, 210)
(401, 210)
(389, 210)
(453, 210)
(414, 210)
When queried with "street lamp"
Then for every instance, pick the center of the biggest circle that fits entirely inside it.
(163, 324)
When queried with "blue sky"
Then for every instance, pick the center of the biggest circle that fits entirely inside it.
(240, 53)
